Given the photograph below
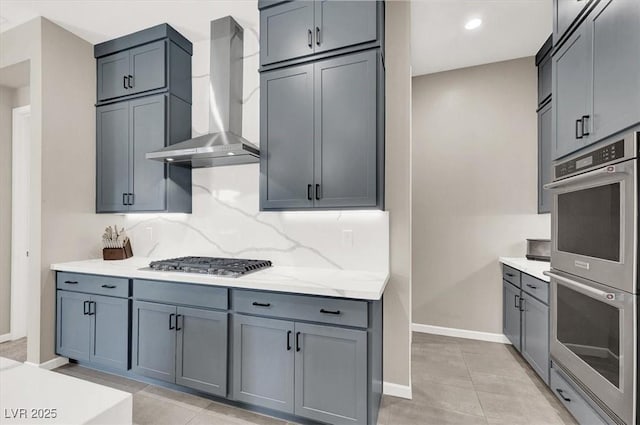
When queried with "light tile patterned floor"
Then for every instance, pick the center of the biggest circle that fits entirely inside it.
(455, 381)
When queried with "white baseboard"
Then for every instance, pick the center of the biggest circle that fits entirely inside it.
(396, 390)
(51, 364)
(5, 338)
(460, 333)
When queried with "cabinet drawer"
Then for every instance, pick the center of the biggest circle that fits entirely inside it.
(573, 400)
(180, 293)
(536, 287)
(93, 284)
(301, 307)
(511, 275)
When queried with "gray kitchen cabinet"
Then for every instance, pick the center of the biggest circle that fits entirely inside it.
(570, 94)
(535, 334)
(286, 138)
(263, 362)
(330, 374)
(201, 357)
(110, 331)
(565, 13)
(112, 165)
(147, 65)
(73, 327)
(511, 320)
(544, 65)
(612, 31)
(545, 175)
(346, 132)
(154, 340)
(113, 74)
(286, 31)
(293, 30)
(322, 134)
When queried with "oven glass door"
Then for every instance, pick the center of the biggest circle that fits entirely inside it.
(593, 338)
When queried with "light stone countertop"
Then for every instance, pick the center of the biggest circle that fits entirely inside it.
(356, 284)
(530, 267)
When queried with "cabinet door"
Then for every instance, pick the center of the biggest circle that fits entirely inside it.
(113, 71)
(613, 29)
(535, 335)
(346, 131)
(148, 67)
(263, 362)
(511, 313)
(112, 162)
(286, 32)
(544, 158)
(344, 23)
(110, 331)
(331, 374)
(286, 138)
(73, 330)
(570, 93)
(201, 360)
(565, 12)
(544, 79)
(154, 340)
(147, 134)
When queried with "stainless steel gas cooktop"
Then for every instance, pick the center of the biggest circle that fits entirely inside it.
(228, 267)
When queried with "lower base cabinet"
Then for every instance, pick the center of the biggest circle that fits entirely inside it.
(186, 346)
(535, 335)
(313, 371)
(573, 400)
(511, 324)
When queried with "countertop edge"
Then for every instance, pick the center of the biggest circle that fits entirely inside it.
(530, 267)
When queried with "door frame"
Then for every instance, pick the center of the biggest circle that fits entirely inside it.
(20, 218)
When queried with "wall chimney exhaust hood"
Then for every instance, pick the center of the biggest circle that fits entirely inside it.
(223, 145)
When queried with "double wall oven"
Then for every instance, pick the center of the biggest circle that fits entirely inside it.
(594, 261)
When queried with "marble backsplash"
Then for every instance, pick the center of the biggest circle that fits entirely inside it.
(226, 222)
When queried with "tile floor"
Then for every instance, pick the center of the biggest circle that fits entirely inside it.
(455, 381)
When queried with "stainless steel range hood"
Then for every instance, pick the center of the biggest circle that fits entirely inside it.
(223, 145)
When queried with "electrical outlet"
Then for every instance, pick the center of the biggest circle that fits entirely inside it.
(347, 238)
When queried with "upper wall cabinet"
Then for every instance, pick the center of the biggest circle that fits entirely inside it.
(566, 13)
(596, 77)
(544, 64)
(146, 62)
(293, 30)
(144, 104)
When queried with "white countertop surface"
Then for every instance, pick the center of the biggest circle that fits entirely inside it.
(75, 401)
(300, 280)
(530, 267)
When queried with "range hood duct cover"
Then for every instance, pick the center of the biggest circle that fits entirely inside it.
(223, 145)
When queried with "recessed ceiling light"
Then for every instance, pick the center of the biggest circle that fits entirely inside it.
(473, 23)
(169, 159)
(230, 153)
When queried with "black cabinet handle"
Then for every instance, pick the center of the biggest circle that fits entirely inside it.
(132, 199)
(92, 303)
(124, 199)
(178, 328)
(71, 282)
(85, 308)
(579, 127)
(288, 340)
(171, 326)
(585, 125)
(522, 300)
(516, 302)
(322, 310)
(532, 286)
(129, 78)
(309, 39)
(309, 194)
(257, 304)
(562, 396)
(109, 286)
(510, 274)
(124, 82)
(297, 341)
(318, 192)
(318, 36)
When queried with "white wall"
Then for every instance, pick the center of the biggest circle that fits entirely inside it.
(474, 189)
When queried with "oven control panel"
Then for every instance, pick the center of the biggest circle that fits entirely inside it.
(601, 156)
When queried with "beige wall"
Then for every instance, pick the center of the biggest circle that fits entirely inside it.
(397, 297)
(474, 189)
(7, 99)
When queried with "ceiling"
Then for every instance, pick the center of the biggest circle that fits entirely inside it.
(510, 29)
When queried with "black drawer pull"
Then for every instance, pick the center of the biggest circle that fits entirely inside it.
(109, 286)
(124, 82)
(257, 304)
(297, 341)
(71, 282)
(562, 396)
(532, 286)
(309, 39)
(171, 326)
(585, 125)
(322, 310)
(318, 194)
(318, 36)
(309, 195)
(129, 81)
(92, 303)
(178, 328)
(510, 275)
(288, 340)
(579, 129)
(85, 308)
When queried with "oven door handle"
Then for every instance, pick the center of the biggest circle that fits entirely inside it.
(606, 297)
(610, 170)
